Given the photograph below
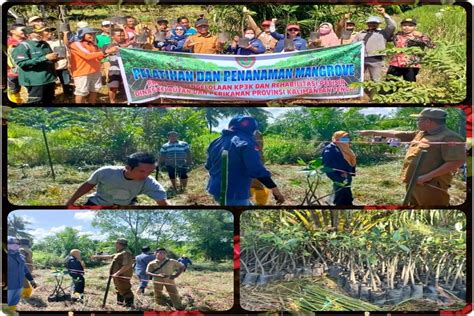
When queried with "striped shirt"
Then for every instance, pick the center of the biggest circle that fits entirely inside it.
(175, 154)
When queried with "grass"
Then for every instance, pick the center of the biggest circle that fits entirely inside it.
(374, 185)
(321, 294)
(204, 290)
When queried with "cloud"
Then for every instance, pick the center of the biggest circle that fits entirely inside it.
(29, 219)
(87, 216)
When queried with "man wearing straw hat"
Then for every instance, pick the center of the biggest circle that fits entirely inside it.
(164, 270)
(121, 270)
(442, 158)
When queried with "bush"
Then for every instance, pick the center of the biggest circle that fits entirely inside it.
(199, 146)
(279, 150)
(48, 260)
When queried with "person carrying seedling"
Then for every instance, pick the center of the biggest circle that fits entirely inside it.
(75, 266)
(340, 161)
(404, 65)
(243, 164)
(177, 158)
(26, 252)
(345, 29)
(121, 185)
(16, 271)
(289, 41)
(445, 154)
(263, 33)
(164, 270)
(141, 262)
(375, 41)
(184, 260)
(203, 42)
(121, 271)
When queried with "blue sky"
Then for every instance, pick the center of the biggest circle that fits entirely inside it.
(48, 222)
(279, 111)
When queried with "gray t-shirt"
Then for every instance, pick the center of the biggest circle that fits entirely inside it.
(113, 188)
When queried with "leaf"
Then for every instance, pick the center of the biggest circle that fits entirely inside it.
(404, 248)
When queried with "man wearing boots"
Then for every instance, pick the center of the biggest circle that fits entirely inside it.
(121, 271)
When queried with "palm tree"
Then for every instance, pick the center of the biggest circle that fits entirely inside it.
(17, 226)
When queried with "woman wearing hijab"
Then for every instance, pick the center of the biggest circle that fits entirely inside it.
(255, 46)
(326, 36)
(339, 158)
(176, 41)
(76, 267)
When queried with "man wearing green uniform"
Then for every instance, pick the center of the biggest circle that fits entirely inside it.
(121, 271)
(163, 272)
(441, 160)
(35, 60)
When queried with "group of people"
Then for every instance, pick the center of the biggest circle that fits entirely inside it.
(445, 154)
(155, 267)
(88, 57)
(237, 171)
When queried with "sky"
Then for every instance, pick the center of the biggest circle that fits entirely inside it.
(45, 223)
(279, 111)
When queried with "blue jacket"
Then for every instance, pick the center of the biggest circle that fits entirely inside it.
(74, 266)
(141, 262)
(300, 43)
(185, 261)
(333, 158)
(244, 51)
(244, 159)
(17, 271)
(175, 43)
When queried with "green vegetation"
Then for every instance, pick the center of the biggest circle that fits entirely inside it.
(381, 257)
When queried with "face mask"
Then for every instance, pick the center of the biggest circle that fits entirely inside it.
(13, 247)
(249, 36)
(324, 31)
(344, 139)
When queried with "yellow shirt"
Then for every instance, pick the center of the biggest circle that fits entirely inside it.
(437, 154)
(203, 44)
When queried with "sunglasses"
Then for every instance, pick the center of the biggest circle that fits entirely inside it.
(107, 25)
(179, 29)
(293, 30)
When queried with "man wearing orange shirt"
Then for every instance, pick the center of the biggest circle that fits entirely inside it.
(85, 65)
(203, 42)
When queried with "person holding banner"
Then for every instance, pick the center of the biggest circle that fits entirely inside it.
(244, 164)
(340, 160)
(203, 42)
(375, 41)
(442, 158)
(254, 46)
(292, 34)
(85, 65)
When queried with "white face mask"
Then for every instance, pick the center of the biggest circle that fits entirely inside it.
(249, 36)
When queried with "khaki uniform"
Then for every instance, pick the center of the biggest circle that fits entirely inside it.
(168, 269)
(28, 254)
(203, 44)
(437, 155)
(122, 285)
(268, 42)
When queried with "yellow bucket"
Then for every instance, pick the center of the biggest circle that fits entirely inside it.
(260, 196)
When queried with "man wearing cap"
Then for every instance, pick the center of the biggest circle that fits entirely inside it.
(292, 33)
(404, 65)
(36, 22)
(35, 60)
(244, 164)
(441, 161)
(263, 33)
(13, 40)
(203, 42)
(161, 33)
(121, 270)
(164, 270)
(176, 156)
(16, 271)
(85, 65)
(375, 40)
(27, 254)
(141, 262)
(121, 185)
(345, 29)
